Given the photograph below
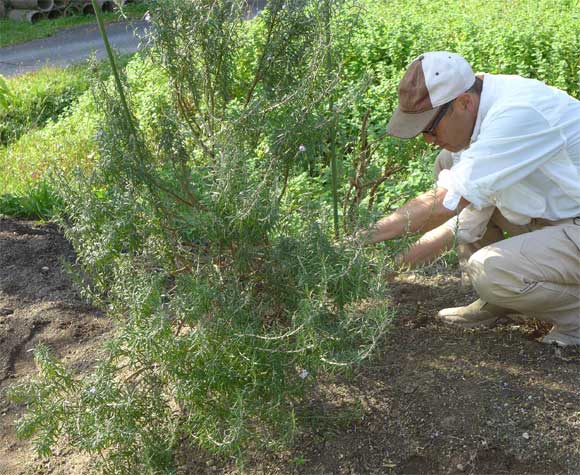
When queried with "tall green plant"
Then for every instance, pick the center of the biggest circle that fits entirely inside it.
(230, 297)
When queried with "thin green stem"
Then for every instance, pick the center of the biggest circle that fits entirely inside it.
(332, 137)
(113, 65)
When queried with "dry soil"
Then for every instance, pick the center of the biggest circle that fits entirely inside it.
(436, 400)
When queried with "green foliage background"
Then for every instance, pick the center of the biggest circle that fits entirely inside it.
(535, 39)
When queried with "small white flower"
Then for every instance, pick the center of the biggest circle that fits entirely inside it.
(304, 374)
(302, 148)
(93, 390)
(147, 17)
(99, 134)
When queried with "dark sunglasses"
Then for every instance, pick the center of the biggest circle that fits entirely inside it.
(437, 119)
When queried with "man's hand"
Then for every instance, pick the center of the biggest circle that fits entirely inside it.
(428, 248)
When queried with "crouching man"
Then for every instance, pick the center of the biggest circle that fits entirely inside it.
(517, 168)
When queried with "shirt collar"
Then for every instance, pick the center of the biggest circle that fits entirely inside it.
(485, 103)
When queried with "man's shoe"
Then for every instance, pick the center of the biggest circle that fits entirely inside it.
(560, 339)
(479, 314)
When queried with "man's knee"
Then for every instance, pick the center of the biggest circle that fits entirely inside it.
(490, 276)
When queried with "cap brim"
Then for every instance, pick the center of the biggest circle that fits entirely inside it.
(407, 126)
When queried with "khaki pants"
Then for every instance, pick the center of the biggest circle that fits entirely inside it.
(536, 271)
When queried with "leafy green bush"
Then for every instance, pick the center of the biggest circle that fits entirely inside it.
(535, 39)
(230, 296)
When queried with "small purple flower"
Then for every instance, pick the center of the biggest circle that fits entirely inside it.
(304, 374)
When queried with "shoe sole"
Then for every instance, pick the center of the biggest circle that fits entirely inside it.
(469, 325)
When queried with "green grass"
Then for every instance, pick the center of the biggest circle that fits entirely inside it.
(50, 122)
(14, 32)
(33, 99)
(37, 97)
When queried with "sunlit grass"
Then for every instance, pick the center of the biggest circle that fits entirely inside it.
(49, 125)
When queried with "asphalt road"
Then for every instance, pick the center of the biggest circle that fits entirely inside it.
(75, 45)
(70, 46)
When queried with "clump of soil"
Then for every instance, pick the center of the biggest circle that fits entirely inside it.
(436, 400)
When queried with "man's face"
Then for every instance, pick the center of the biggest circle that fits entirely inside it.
(453, 132)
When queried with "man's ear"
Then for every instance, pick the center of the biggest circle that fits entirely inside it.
(465, 102)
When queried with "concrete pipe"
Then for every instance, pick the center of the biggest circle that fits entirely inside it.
(31, 16)
(60, 3)
(2, 9)
(41, 5)
(75, 6)
(87, 8)
(106, 5)
(72, 9)
(55, 13)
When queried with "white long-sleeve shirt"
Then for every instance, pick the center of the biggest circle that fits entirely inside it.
(524, 156)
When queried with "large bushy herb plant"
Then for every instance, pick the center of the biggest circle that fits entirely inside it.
(230, 297)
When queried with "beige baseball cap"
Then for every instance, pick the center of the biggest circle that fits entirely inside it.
(431, 80)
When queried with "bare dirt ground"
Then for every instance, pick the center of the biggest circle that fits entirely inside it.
(38, 304)
(437, 400)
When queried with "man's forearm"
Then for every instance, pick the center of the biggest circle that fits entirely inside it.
(421, 214)
(428, 248)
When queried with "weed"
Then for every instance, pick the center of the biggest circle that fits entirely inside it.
(39, 202)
